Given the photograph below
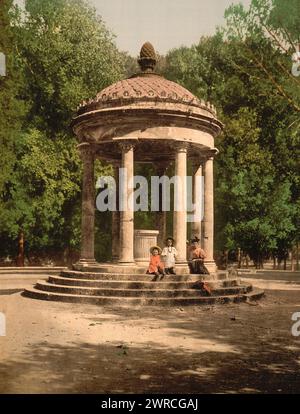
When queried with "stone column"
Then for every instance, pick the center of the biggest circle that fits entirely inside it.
(180, 217)
(115, 221)
(126, 208)
(197, 197)
(88, 206)
(161, 216)
(209, 215)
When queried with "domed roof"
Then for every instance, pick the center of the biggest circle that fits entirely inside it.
(143, 87)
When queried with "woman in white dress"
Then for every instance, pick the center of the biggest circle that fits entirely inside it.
(168, 255)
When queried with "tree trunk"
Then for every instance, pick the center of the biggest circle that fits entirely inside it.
(226, 259)
(257, 262)
(239, 258)
(278, 264)
(20, 258)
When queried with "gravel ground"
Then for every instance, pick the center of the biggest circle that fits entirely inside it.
(53, 347)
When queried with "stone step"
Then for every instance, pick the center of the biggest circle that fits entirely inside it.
(31, 270)
(156, 292)
(166, 283)
(134, 277)
(284, 272)
(129, 301)
(10, 291)
(110, 268)
(129, 269)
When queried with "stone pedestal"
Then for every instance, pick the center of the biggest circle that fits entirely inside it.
(143, 241)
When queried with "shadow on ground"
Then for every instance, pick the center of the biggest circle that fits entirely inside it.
(242, 349)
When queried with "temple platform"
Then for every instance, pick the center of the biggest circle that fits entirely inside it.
(125, 289)
(140, 268)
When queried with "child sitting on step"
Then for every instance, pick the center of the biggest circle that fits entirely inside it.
(169, 254)
(156, 266)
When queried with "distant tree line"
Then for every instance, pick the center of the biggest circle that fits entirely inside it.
(60, 52)
(245, 70)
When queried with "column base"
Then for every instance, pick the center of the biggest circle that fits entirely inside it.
(211, 266)
(182, 268)
(83, 263)
(142, 263)
(126, 263)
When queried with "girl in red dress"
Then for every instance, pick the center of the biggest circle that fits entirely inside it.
(156, 266)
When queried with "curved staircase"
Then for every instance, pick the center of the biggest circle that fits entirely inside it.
(139, 289)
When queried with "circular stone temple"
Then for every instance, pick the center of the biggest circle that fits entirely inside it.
(147, 119)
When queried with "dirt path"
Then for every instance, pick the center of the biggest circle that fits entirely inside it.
(56, 347)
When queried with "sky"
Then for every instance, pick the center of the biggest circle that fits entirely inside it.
(165, 23)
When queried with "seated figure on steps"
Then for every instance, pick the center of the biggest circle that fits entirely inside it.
(156, 266)
(169, 254)
(196, 258)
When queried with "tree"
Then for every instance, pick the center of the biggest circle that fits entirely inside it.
(248, 169)
(268, 36)
(268, 23)
(12, 109)
(254, 210)
(66, 54)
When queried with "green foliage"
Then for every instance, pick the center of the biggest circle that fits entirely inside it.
(46, 176)
(68, 56)
(62, 53)
(268, 33)
(257, 171)
(12, 109)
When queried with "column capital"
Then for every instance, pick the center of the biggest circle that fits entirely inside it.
(127, 145)
(181, 146)
(211, 153)
(209, 158)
